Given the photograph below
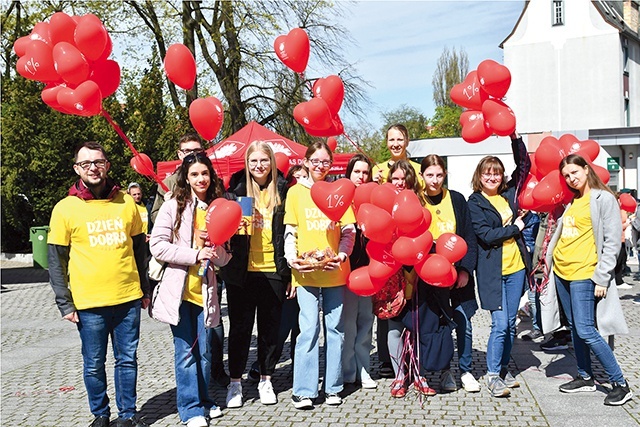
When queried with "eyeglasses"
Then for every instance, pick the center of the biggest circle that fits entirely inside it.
(253, 163)
(491, 175)
(195, 155)
(187, 151)
(86, 164)
(318, 162)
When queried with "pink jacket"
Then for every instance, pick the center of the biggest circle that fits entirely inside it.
(180, 255)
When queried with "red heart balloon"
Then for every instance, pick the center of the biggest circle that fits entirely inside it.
(70, 63)
(313, 114)
(628, 203)
(332, 143)
(375, 223)
(223, 219)
(604, 174)
(381, 253)
(282, 162)
(180, 66)
(331, 90)
(37, 63)
(49, 96)
(494, 78)
(411, 251)
(451, 246)
(549, 154)
(469, 93)
(473, 126)
(142, 164)
(41, 31)
(384, 196)
(61, 28)
(333, 198)
(336, 128)
(293, 49)
(107, 50)
(363, 194)
(435, 270)
(360, 283)
(589, 149)
(206, 116)
(498, 117)
(107, 76)
(380, 271)
(85, 100)
(20, 45)
(407, 211)
(91, 36)
(525, 199)
(551, 189)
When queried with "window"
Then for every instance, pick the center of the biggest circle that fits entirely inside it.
(558, 12)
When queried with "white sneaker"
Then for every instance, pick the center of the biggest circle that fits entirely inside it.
(234, 395)
(624, 285)
(215, 412)
(198, 421)
(469, 383)
(267, 395)
(369, 383)
(447, 382)
(333, 399)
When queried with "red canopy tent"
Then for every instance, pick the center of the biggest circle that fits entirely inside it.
(227, 157)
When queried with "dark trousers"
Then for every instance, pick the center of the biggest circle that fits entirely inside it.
(257, 295)
(621, 263)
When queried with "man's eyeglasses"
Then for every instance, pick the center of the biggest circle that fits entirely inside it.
(318, 162)
(190, 158)
(491, 175)
(187, 151)
(86, 164)
(263, 162)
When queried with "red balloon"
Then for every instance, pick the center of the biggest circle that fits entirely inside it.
(628, 203)
(494, 78)
(375, 223)
(384, 196)
(91, 37)
(427, 217)
(107, 75)
(49, 96)
(469, 93)
(85, 100)
(333, 198)
(142, 164)
(223, 219)
(107, 50)
(61, 28)
(451, 246)
(381, 271)
(499, 117)
(332, 142)
(360, 283)
(313, 114)
(473, 126)
(410, 251)
(331, 90)
(381, 252)
(550, 190)
(20, 45)
(41, 31)
(282, 162)
(206, 116)
(435, 270)
(293, 49)
(407, 211)
(336, 128)
(569, 143)
(604, 174)
(37, 63)
(534, 169)
(180, 66)
(589, 149)
(549, 154)
(525, 198)
(363, 194)
(70, 63)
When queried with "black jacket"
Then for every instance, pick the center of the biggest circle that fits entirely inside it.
(464, 229)
(235, 272)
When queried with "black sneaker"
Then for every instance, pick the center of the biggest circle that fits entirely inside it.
(100, 422)
(535, 335)
(131, 422)
(386, 370)
(554, 344)
(301, 402)
(577, 385)
(619, 395)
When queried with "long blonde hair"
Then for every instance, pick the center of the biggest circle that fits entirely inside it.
(253, 188)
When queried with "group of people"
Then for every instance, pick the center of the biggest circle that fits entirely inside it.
(267, 278)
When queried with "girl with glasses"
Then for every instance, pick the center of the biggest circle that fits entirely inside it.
(308, 229)
(186, 297)
(503, 262)
(257, 276)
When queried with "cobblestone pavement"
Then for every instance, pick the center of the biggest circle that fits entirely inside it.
(42, 381)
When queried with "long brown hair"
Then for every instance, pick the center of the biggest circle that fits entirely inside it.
(593, 179)
(410, 178)
(488, 164)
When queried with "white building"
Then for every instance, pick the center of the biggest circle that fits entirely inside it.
(575, 67)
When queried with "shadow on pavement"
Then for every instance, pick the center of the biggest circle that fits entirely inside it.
(14, 276)
(159, 407)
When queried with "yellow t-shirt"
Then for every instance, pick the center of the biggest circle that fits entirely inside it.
(144, 216)
(575, 256)
(102, 267)
(511, 258)
(261, 256)
(384, 167)
(315, 231)
(443, 219)
(193, 290)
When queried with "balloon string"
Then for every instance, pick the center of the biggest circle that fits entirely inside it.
(358, 147)
(135, 152)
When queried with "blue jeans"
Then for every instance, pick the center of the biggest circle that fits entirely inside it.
(121, 323)
(503, 323)
(358, 331)
(192, 347)
(578, 303)
(464, 337)
(306, 365)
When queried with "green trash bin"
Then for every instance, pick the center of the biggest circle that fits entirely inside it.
(38, 238)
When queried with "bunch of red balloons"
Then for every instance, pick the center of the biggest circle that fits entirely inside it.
(481, 94)
(69, 55)
(545, 188)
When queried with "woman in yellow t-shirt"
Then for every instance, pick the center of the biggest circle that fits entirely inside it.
(309, 229)
(397, 142)
(584, 259)
(187, 296)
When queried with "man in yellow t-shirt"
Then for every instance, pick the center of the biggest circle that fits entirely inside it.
(98, 274)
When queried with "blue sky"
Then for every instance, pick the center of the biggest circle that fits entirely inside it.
(399, 43)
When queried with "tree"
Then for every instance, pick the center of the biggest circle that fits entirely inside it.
(452, 68)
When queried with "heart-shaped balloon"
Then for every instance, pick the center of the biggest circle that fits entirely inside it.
(473, 126)
(602, 173)
(589, 149)
(206, 116)
(381, 271)
(407, 211)
(375, 223)
(436, 270)
(282, 162)
(223, 219)
(525, 199)
(91, 36)
(360, 283)
(85, 100)
(41, 31)
(551, 189)
(498, 117)
(49, 96)
(336, 128)
(332, 143)
(548, 156)
(451, 246)
(628, 203)
(331, 89)
(61, 28)
(381, 253)
(363, 194)
(410, 251)
(20, 46)
(142, 164)
(107, 75)
(70, 63)
(469, 93)
(333, 198)
(495, 78)
(313, 114)
(180, 66)
(37, 63)
(107, 50)
(384, 196)
(293, 49)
